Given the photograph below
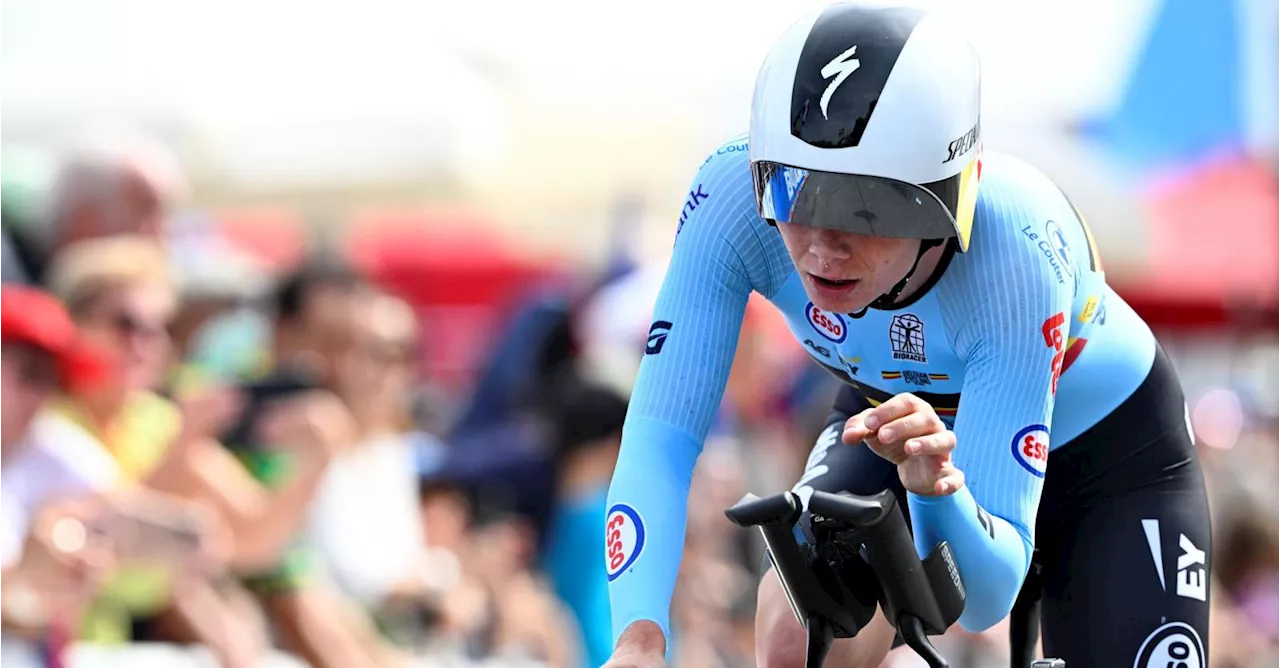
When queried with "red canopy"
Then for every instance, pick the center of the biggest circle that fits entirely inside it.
(456, 270)
(439, 258)
(276, 235)
(1213, 249)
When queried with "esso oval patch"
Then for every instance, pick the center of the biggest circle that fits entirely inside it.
(1031, 449)
(830, 325)
(1174, 645)
(623, 539)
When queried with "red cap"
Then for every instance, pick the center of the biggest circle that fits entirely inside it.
(35, 318)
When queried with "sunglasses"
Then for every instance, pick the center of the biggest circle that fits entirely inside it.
(131, 325)
(389, 353)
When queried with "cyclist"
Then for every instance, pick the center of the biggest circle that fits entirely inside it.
(854, 206)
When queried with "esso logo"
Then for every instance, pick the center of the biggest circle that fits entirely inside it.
(624, 539)
(1031, 449)
(830, 325)
(1174, 645)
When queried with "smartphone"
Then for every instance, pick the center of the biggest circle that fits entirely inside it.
(153, 534)
(261, 394)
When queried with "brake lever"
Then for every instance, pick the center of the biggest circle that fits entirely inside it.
(913, 634)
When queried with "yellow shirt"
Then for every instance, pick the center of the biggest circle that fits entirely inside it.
(137, 440)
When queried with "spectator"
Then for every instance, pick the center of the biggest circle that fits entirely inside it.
(61, 530)
(41, 352)
(292, 427)
(365, 522)
(590, 420)
(1248, 570)
(528, 621)
(490, 601)
(116, 183)
(118, 292)
(221, 286)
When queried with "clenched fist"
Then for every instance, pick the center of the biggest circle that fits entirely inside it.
(905, 430)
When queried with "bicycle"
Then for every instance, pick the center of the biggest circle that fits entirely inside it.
(858, 555)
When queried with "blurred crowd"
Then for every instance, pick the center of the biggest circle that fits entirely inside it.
(204, 451)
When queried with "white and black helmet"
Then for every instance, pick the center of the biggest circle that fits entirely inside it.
(866, 119)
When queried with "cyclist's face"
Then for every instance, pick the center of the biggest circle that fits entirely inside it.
(844, 271)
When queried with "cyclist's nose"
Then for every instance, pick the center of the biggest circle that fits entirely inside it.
(830, 246)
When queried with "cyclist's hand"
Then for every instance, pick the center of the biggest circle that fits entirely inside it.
(905, 430)
(641, 645)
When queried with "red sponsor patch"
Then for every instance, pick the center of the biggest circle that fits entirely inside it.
(1052, 331)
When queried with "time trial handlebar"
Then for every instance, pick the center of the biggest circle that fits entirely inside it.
(859, 555)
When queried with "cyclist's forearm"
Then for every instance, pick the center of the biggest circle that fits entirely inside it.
(992, 555)
(644, 537)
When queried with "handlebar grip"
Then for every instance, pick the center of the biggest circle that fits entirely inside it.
(752, 510)
(814, 591)
(860, 511)
(890, 551)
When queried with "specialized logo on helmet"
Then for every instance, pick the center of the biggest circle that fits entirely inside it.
(962, 144)
(830, 325)
(830, 106)
(840, 67)
(624, 539)
(1031, 449)
(1174, 645)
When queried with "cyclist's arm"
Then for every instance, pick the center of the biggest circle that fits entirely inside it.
(691, 345)
(996, 307)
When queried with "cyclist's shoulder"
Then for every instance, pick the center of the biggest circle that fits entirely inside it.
(1010, 187)
(1016, 203)
(731, 156)
(1013, 195)
(721, 203)
(727, 170)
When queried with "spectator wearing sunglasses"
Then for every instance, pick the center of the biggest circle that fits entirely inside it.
(118, 291)
(68, 513)
(119, 294)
